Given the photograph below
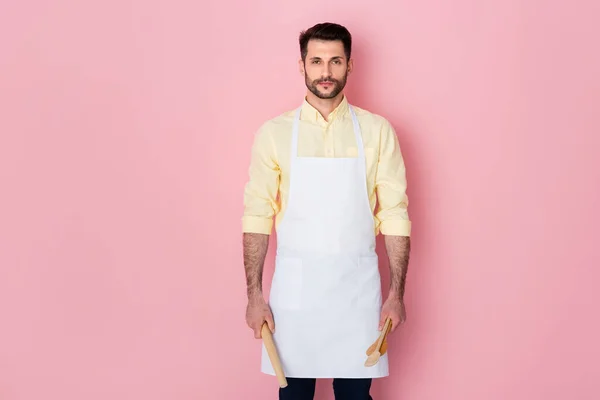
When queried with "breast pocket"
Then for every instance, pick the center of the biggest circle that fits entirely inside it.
(286, 289)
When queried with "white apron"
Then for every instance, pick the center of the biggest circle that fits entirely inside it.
(326, 289)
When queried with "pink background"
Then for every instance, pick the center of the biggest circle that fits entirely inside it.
(125, 138)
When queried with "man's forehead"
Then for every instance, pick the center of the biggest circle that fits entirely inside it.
(325, 48)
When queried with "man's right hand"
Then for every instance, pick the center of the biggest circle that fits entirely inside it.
(257, 312)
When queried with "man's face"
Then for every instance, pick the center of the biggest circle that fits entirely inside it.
(325, 68)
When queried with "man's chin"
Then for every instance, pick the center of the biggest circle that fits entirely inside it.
(325, 96)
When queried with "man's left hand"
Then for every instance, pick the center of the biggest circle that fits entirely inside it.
(393, 308)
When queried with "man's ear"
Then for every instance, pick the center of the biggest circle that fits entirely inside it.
(350, 66)
(301, 66)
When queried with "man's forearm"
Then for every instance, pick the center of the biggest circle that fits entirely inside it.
(255, 250)
(398, 250)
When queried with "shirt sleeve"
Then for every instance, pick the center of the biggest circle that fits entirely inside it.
(390, 184)
(260, 193)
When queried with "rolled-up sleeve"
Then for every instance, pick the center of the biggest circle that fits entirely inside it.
(391, 184)
(260, 193)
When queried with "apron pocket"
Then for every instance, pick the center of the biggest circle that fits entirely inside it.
(369, 281)
(286, 290)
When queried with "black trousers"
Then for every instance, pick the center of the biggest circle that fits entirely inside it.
(344, 389)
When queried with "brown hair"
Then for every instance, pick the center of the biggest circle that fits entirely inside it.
(326, 31)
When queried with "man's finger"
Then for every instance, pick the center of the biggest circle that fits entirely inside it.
(270, 323)
(257, 333)
(382, 321)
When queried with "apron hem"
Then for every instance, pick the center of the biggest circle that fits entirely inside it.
(312, 376)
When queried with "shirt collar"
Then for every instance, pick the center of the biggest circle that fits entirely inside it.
(309, 113)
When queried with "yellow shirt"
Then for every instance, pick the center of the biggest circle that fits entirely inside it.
(266, 191)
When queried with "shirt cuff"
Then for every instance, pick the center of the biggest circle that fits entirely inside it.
(251, 224)
(399, 227)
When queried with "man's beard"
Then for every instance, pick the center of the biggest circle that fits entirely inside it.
(338, 86)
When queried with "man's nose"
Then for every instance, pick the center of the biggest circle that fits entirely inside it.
(326, 73)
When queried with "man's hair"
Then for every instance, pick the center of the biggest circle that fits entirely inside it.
(326, 31)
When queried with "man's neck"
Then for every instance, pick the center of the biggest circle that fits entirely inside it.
(324, 106)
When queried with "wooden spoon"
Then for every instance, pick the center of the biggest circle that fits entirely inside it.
(383, 348)
(384, 345)
(373, 358)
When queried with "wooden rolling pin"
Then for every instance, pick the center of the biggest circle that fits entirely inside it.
(273, 356)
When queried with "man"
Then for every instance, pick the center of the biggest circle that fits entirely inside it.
(320, 170)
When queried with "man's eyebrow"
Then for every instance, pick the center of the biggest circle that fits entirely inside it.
(333, 58)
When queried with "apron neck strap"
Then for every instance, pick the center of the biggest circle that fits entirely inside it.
(357, 133)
